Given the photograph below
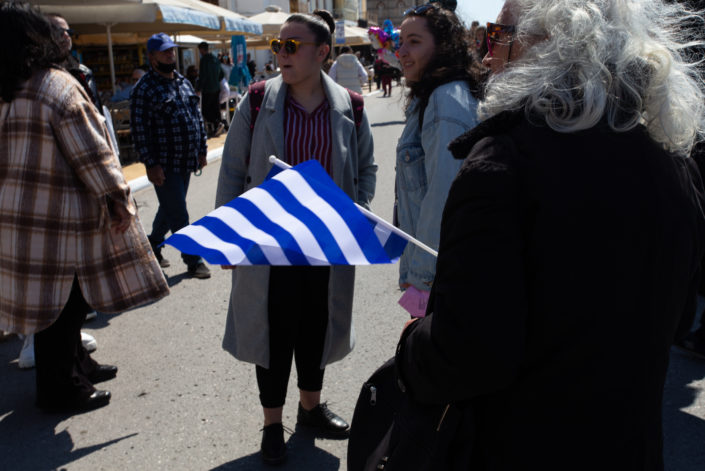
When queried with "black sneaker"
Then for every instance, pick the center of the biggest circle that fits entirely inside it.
(200, 270)
(323, 419)
(273, 446)
(693, 344)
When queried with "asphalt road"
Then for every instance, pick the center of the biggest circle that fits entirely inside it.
(181, 403)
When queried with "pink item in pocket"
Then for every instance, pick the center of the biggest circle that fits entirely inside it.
(414, 301)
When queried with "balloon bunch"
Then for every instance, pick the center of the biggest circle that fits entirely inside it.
(386, 41)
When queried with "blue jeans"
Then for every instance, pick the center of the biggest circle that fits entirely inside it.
(172, 214)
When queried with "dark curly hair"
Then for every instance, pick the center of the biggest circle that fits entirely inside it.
(451, 60)
(27, 44)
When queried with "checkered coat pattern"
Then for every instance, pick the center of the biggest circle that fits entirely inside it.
(59, 176)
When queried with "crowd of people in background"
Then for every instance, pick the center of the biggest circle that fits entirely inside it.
(547, 157)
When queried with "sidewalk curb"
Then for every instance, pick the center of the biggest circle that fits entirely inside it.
(140, 183)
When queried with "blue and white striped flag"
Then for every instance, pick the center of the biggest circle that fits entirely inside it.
(298, 216)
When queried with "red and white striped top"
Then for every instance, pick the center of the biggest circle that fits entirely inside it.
(307, 136)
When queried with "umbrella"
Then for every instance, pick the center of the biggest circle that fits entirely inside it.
(232, 22)
(131, 16)
(356, 36)
(145, 16)
(271, 20)
(191, 40)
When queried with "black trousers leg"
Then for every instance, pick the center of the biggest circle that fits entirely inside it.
(313, 324)
(61, 361)
(298, 317)
(211, 108)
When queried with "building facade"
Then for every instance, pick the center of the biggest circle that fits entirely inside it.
(251, 7)
(380, 10)
(349, 10)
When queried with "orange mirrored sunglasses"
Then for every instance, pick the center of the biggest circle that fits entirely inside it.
(494, 31)
(290, 45)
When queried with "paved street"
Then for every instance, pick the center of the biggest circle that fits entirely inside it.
(181, 403)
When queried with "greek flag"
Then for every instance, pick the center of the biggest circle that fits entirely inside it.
(298, 216)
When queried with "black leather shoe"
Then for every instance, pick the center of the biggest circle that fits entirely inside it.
(323, 419)
(103, 373)
(273, 446)
(95, 401)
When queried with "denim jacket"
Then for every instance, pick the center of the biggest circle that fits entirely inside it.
(425, 169)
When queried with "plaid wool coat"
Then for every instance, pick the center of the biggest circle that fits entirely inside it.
(58, 177)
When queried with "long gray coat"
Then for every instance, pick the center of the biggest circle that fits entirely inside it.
(354, 170)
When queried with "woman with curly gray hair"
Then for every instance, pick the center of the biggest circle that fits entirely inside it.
(570, 241)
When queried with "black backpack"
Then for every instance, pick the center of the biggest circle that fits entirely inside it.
(392, 432)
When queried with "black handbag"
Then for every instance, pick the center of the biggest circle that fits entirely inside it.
(392, 432)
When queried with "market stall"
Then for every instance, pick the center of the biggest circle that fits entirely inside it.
(145, 17)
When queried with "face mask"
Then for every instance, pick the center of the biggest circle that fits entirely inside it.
(166, 68)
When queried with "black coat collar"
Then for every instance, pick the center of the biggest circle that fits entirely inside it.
(461, 146)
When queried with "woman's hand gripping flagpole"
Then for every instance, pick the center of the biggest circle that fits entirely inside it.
(283, 165)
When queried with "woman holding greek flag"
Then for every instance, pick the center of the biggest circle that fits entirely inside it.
(277, 313)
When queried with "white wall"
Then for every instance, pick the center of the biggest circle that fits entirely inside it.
(252, 7)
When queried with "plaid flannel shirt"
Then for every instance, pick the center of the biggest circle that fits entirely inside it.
(166, 123)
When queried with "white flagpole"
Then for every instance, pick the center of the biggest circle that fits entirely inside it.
(281, 164)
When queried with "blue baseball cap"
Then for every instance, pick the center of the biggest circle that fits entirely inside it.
(160, 42)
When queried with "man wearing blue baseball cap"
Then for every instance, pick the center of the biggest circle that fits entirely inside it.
(168, 133)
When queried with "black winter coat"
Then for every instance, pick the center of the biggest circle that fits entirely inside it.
(568, 263)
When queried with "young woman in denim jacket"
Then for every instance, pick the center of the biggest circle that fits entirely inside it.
(442, 103)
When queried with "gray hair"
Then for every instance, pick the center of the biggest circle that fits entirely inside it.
(624, 61)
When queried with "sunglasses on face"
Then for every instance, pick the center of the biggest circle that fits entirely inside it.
(290, 45)
(420, 10)
(494, 31)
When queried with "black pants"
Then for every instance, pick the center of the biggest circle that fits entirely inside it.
(210, 105)
(298, 317)
(62, 364)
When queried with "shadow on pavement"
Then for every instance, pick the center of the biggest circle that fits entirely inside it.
(684, 433)
(29, 437)
(176, 279)
(101, 321)
(302, 455)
